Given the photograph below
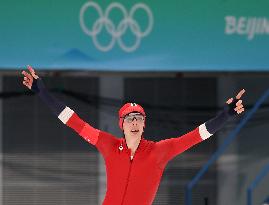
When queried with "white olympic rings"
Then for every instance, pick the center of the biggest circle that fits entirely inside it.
(118, 31)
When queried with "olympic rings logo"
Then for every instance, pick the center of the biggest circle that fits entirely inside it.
(116, 31)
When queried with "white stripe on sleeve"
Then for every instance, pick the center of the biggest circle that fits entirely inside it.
(203, 132)
(65, 114)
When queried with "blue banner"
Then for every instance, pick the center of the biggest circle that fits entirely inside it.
(135, 36)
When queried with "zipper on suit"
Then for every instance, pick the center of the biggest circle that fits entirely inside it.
(126, 186)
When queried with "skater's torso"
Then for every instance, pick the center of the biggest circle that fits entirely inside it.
(132, 180)
(135, 180)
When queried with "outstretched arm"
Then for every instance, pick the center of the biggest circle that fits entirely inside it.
(232, 108)
(64, 113)
(170, 148)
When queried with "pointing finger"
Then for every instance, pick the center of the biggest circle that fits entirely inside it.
(32, 71)
(239, 95)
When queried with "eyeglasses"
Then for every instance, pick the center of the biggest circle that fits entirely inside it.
(130, 118)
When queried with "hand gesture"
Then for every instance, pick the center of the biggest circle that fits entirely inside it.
(238, 107)
(29, 77)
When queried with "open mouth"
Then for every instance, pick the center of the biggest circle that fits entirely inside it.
(134, 131)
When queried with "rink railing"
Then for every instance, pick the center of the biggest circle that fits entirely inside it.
(223, 147)
(255, 183)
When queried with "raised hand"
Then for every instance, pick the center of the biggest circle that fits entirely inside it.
(238, 107)
(29, 77)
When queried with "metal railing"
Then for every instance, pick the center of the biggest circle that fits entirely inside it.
(255, 183)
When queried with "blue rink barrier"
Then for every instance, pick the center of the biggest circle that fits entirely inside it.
(255, 183)
(266, 201)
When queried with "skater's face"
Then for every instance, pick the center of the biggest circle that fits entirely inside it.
(133, 124)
